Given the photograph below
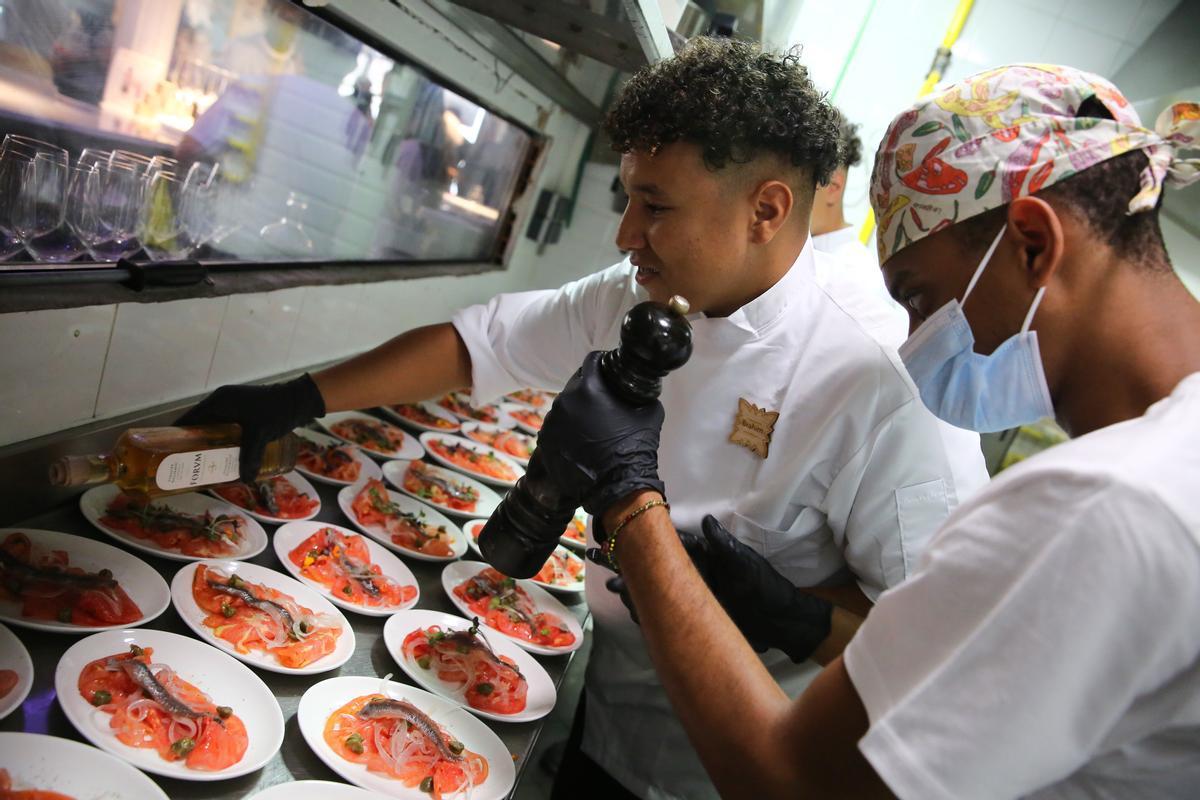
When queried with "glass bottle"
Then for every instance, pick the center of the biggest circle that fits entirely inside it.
(152, 462)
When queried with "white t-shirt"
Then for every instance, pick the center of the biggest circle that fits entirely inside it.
(856, 478)
(849, 270)
(1048, 645)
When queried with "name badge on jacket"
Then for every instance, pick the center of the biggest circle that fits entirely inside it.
(752, 427)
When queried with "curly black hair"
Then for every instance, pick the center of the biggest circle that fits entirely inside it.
(733, 100)
(1100, 196)
(849, 145)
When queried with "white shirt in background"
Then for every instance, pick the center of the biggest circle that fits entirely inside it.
(1049, 647)
(853, 270)
(856, 480)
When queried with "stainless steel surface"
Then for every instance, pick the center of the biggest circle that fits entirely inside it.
(40, 713)
(512, 50)
(609, 38)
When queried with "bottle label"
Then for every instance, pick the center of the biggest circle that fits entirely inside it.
(197, 468)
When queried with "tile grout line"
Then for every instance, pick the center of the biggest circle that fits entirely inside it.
(212, 359)
(112, 331)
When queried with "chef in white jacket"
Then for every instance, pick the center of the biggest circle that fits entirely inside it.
(790, 422)
(845, 265)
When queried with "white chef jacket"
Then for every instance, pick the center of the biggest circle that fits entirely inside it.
(853, 270)
(1049, 647)
(855, 481)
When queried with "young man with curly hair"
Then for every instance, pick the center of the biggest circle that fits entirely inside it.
(789, 423)
(1047, 644)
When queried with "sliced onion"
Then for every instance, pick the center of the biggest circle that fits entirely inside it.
(138, 710)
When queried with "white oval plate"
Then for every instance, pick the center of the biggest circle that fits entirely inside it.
(545, 399)
(222, 678)
(288, 537)
(410, 448)
(431, 408)
(94, 502)
(508, 408)
(185, 603)
(468, 427)
(539, 701)
(456, 573)
(314, 790)
(473, 528)
(582, 516)
(378, 533)
(367, 467)
(488, 499)
(478, 448)
(503, 420)
(14, 656)
(140, 581)
(295, 479)
(75, 769)
(323, 698)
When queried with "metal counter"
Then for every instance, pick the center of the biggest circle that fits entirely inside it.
(40, 713)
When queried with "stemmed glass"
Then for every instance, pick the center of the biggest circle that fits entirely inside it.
(40, 217)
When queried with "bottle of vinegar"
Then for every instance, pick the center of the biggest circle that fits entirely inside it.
(159, 461)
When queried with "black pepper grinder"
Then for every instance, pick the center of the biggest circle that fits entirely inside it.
(524, 529)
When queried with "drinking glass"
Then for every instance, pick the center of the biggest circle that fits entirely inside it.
(41, 212)
(15, 152)
(159, 221)
(103, 209)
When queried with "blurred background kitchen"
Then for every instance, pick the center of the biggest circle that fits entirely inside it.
(352, 170)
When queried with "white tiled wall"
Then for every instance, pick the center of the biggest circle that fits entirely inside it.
(63, 368)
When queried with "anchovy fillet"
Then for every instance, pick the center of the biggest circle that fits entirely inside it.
(399, 709)
(249, 598)
(449, 488)
(22, 570)
(140, 673)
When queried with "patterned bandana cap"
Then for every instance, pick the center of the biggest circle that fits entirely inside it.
(1009, 132)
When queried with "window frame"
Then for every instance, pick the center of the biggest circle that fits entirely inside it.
(30, 286)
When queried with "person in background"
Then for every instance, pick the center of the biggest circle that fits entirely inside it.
(789, 422)
(1048, 645)
(845, 265)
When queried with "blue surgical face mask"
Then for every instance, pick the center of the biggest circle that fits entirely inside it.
(981, 393)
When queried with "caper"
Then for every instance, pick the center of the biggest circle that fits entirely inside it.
(236, 582)
(224, 712)
(227, 610)
(106, 573)
(354, 743)
(305, 627)
(347, 590)
(101, 697)
(457, 747)
(423, 662)
(136, 651)
(427, 785)
(182, 747)
(485, 689)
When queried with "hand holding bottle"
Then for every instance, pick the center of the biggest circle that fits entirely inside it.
(265, 413)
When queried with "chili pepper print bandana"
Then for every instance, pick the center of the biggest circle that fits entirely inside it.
(1009, 132)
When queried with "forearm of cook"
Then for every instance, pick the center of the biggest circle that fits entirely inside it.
(416, 365)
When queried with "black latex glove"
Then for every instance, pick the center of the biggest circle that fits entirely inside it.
(596, 446)
(766, 607)
(265, 413)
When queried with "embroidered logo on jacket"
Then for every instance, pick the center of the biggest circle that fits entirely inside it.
(752, 427)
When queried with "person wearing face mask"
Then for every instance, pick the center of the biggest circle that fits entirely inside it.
(794, 426)
(1047, 646)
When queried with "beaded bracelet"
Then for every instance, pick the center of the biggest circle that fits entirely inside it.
(609, 548)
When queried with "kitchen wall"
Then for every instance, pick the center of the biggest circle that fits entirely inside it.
(66, 367)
